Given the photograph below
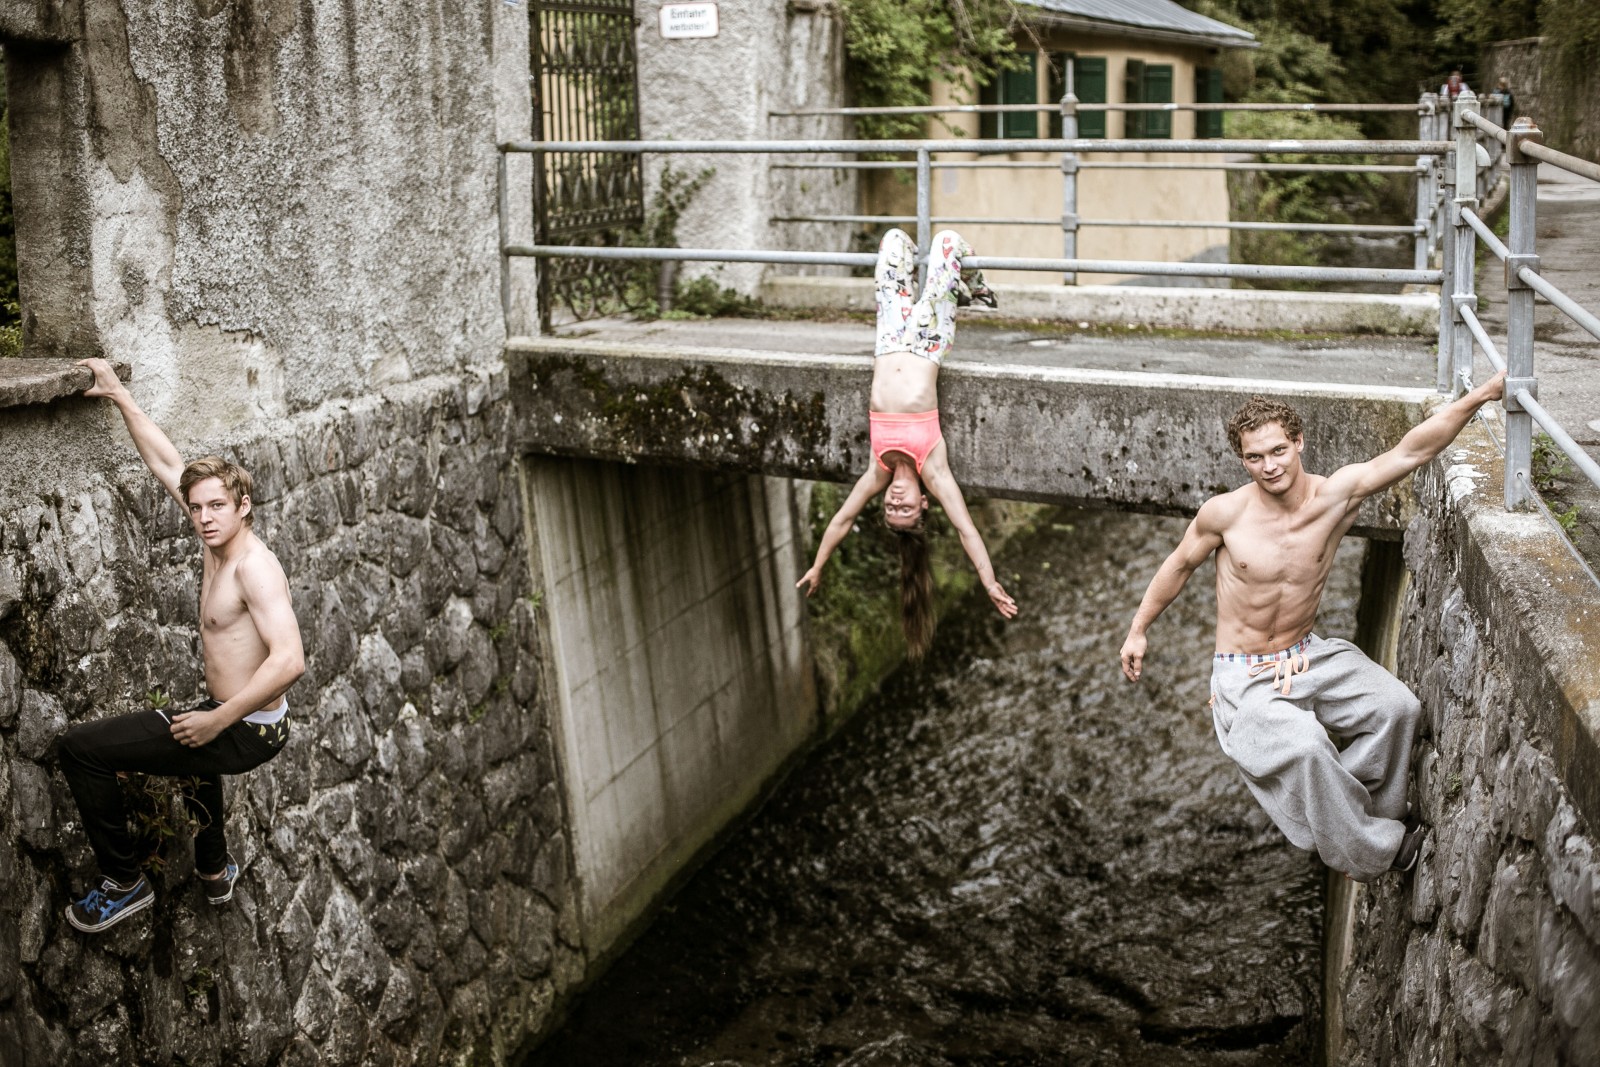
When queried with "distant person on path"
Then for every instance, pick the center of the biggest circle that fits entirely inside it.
(1508, 103)
(250, 642)
(1454, 85)
(1277, 689)
(909, 460)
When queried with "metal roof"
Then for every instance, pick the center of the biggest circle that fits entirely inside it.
(1162, 16)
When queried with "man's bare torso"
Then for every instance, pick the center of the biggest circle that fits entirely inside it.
(230, 643)
(1272, 566)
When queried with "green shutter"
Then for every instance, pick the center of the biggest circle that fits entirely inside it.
(1133, 93)
(1056, 88)
(1158, 90)
(1208, 90)
(1021, 87)
(1090, 88)
(988, 121)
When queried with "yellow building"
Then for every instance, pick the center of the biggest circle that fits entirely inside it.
(1119, 51)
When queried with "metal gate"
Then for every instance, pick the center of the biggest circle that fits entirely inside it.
(585, 88)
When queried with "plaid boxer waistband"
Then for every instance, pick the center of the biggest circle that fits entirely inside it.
(1265, 657)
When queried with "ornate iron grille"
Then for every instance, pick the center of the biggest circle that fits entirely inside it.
(585, 88)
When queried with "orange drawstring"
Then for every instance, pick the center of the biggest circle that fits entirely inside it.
(1283, 669)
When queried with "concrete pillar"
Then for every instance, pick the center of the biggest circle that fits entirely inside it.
(683, 676)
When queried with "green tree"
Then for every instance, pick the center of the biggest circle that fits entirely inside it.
(894, 48)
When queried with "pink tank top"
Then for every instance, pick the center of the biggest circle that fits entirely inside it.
(914, 433)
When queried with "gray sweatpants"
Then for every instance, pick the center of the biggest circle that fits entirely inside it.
(1273, 715)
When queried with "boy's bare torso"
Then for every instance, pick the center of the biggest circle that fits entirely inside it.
(1273, 564)
(231, 645)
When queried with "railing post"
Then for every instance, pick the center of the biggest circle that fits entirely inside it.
(1442, 173)
(1466, 242)
(1424, 225)
(1523, 205)
(1069, 174)
(1447, 261)
(924, 214)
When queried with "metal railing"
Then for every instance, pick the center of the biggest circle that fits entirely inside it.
(1069, 149)
(1448, 159)
(1461, 333)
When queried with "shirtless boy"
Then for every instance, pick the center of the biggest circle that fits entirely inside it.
(1277, 689)
(251, 645)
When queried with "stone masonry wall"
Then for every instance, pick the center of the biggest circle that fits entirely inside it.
(1490, 951)
(405, 895)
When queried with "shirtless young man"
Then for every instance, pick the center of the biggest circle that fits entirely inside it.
(1278, 690)
(251, 645)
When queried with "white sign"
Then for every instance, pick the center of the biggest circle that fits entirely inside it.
(688, 20)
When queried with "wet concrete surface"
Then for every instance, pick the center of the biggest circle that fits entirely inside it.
(1010, 857)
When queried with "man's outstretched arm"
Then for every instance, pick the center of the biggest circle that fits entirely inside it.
(1203, 537)
(1423, 442)
(154, 447)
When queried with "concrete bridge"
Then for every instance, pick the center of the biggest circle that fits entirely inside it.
(1099, 438)
(540, 681)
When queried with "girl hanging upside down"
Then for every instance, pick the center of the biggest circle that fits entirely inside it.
(909, 460)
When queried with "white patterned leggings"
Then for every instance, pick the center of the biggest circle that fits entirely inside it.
(924, 327)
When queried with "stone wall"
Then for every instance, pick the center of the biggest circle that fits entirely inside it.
(1565, 108)
(406, 895)
(1490, 951)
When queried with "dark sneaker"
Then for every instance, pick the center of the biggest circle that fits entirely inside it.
(110, 904)
(1410, 846)
(220, 890)
(1412, 820)
(972, 291)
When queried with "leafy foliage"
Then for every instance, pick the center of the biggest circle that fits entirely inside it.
(10, 313)
(1316, 51)
(894, 47)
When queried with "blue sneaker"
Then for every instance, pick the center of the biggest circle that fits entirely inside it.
(110, 904)
(220, 890)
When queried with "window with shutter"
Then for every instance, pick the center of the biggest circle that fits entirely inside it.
(1158, 90)
(1208, 90)
(1088, 84)
(1012, 87)
(1021, 87)
(1133, 93)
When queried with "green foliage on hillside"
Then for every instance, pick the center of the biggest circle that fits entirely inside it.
(893, 49)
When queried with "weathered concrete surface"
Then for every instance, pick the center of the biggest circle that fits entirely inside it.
(1102, 439)
(683, 677)
(765, 57)
(237, 199)
(1490, 950)
(39, 381)
(1244, 310)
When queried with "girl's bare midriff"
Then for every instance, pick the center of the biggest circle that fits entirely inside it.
(904, 384)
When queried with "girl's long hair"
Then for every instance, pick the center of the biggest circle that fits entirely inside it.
(916, 590)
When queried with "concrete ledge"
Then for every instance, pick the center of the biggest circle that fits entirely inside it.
(1113, 439)
(1241, 310)
(1540, 611)
(39, 381)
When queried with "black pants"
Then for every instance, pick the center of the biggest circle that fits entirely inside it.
(92, 753)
